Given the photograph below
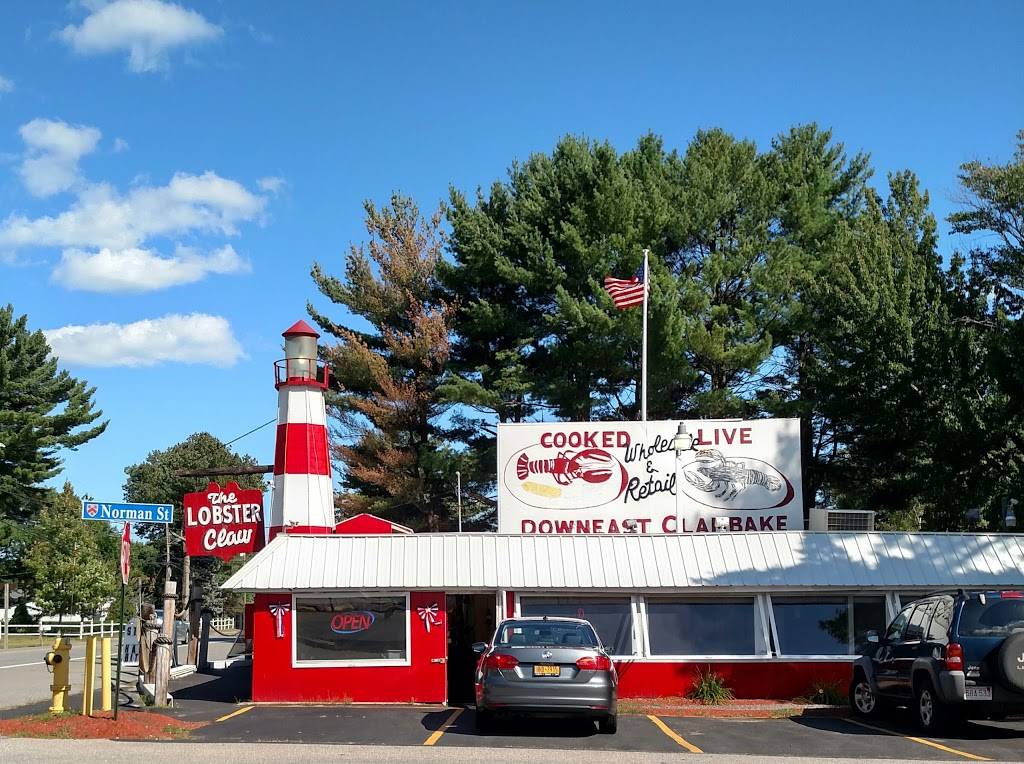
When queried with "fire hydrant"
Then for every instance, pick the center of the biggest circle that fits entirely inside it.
(59, 661)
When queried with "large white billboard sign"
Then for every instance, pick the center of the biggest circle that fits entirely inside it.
(620, 477)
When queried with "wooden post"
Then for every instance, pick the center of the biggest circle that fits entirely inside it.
(165, 643)
(105, 672)
(203, 663)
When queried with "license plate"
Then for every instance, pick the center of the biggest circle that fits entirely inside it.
(978, 693)
(547, 670)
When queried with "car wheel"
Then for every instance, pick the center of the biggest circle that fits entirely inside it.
(484, 720)
(863, 700)
(932, 713)
(608, 725)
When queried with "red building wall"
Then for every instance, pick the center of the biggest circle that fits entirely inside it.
(274, 678)
(769, 679)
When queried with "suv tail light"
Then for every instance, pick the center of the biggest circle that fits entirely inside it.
(500, 661)
(954, 657)
(1012, 595)
(594, 663)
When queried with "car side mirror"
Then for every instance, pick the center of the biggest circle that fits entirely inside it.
(480, 647)
(873, 638)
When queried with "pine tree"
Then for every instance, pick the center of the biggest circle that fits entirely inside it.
(536, 330)
(390, 436)
(42, 410)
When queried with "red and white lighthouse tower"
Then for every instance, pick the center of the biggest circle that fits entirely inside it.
(303, 500)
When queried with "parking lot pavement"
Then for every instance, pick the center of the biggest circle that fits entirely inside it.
(636, 733)
(998, 741)
(352, 725)
(815, 737)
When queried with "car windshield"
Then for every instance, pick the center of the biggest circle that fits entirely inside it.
(546, 634)
(994, 617)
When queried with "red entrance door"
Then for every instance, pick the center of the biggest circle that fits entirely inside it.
(429, 642)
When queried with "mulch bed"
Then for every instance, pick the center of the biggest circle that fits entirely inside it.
(745, 708)
(130, 725)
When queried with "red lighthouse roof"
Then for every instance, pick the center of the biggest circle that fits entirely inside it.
(300, 328)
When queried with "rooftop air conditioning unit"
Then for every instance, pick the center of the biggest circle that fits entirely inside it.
(826, 519)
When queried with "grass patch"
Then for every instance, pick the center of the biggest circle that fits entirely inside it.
(176, 732)
(710, 689)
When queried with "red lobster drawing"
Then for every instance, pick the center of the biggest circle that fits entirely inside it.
(591, 464)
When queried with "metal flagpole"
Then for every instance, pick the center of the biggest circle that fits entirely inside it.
(643, 361)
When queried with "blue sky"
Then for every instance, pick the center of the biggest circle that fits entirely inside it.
(183, 165)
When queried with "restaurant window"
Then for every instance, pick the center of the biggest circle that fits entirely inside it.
(366, 630)
(611, 617)
(868, 615)
(701, 626)
(827, 625)
(812, 626)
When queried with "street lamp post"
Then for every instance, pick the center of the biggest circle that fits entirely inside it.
(681, 443)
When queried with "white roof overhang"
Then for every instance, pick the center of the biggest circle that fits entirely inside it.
(795, 560)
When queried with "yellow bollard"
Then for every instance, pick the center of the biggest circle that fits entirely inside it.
(59, 659)
(105, 673)
(89, 685)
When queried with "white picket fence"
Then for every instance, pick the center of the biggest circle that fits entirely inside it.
(48, 631)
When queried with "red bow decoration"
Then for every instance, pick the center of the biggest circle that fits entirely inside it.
(278, 610)
(429, 616)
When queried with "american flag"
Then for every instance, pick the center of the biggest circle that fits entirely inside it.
(626, 293)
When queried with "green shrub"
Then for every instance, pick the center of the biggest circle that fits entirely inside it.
(710, 689)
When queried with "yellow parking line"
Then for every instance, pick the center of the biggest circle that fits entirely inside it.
(922, 741)
(241, 710)
(436, 735)
(671, 733)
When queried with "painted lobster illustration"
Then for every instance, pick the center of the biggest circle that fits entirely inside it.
(591, 464)
(713, 473)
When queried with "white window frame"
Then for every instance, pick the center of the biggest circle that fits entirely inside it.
(604, 596)
(759, 630)
(352, 662)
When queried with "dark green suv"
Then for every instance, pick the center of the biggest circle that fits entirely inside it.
(948, 657)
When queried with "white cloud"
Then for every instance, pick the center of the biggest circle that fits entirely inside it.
(101, 217)
(146, 29)
(141, 270)
(6, 85)
(53, 149)
(195, 338)
(120, 144)
(270, 184)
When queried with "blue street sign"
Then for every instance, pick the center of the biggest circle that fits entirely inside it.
(135, 513)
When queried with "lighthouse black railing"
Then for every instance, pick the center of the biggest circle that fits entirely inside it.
(301, 371)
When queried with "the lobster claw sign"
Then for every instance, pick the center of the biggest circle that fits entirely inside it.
(429, 616)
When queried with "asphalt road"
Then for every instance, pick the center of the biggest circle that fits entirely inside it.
(105, 752)
(25, 679)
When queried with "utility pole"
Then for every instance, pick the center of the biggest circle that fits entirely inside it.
(7, 613)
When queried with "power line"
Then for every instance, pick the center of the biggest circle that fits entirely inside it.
(254, 429)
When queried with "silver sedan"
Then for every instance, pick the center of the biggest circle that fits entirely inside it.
(546, 666)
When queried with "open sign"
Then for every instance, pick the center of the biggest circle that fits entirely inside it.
(352, 622)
